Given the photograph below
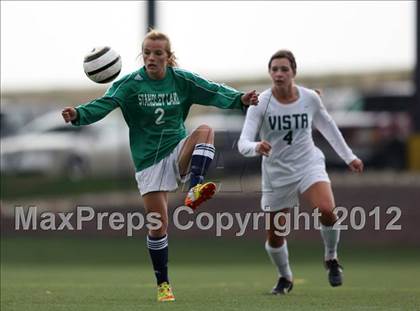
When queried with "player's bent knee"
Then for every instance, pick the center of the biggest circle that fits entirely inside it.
(204, 133)
(275, 240)
(204, 128)
(326, 208)
(158, 229)
(157, 233)
(328, 218)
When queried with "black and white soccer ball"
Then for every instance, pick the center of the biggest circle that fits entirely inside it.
(102, 64)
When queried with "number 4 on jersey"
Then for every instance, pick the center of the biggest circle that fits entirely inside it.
(288, 137)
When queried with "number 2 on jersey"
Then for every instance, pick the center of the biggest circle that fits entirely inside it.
(288, 137)
(160, 113)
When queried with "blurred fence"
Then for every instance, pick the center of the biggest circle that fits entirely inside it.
(382, 208)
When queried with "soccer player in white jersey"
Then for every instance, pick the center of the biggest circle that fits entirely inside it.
(291, 162)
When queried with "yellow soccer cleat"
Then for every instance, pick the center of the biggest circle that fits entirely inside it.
(200, 193)
(165, 292)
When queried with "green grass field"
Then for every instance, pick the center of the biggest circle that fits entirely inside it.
(115, 274)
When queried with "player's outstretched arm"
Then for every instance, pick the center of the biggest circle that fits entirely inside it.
(69, 114)
(323, 121)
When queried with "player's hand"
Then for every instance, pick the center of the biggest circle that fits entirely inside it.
(356, 166)
(263, 148)
(250, 98)
(69, 114)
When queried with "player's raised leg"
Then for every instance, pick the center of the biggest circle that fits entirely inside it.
(195, 158)
(276, 247)
(157, 243)
(320, 196)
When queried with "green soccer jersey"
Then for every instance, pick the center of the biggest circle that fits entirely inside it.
(155, 110)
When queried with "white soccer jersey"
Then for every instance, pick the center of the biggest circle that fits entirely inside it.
(288, 128)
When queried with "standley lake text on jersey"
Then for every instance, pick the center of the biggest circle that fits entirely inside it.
(158, 100)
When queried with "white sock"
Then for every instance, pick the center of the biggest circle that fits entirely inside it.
(331, 237)
(280, 258)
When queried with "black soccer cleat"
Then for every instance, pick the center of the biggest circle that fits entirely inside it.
(335, 272)
(284, 286)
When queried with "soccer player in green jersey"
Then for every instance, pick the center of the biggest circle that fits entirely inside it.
(155, 101)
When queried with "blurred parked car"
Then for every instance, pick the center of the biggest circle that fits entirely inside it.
(50, 147)
(376, 126)
(14, 116)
